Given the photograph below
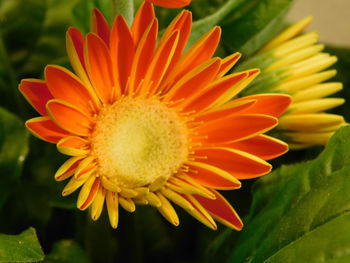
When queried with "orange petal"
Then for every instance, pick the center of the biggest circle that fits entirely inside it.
(99, 25)
(99, 66)
(170, 3)
(230, 108)
(45, 129)
(77, 39)
(73, 146)
(200, 52)
(86, 167)
(235, 127)
(75, 51)
(240, 164)
(211, 176)
(199, 212)
(227, 63)
(194, 81)
(270, 104)
(236, 89)
(204, 99)
(36, 93)
(143, 55)
(122, 50)
(160, 63)
(221, 210)
(68, 168)
(64, 85)
(182, 23)
(144, 17)
(69, 117)
(263, 146)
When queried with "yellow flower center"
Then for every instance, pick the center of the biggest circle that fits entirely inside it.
(138, 141)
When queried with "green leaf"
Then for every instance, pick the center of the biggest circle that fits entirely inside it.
(24, 247)
(205, 24)
(13, 151)
(124, 8)
(82, 12)
(256, 26)
(66, 251)
(296, 210)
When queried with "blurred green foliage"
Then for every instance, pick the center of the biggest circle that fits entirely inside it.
(295, 211)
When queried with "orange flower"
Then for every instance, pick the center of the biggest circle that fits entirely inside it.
(170, 3)
(145, 124)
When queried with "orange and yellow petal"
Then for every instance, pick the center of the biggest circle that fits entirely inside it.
(99, 66)
(262, 146)
(36, 93)
(69, 117)
(66, 86)
(241, 165)
(45, 129)
(221, 210)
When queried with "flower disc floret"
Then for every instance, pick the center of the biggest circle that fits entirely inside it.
(137, 141)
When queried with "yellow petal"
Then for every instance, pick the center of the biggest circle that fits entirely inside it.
(112, 208)
(310, 122)
(127, 204)
(295, 57)
(167, 210)
(295, 44)
(288, 33)
(176, 198)
(97, 205)
(313, 106)
(302, 83)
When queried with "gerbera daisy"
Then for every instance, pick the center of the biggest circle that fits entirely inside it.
(145, 124)
(293, 63)
(170, 3)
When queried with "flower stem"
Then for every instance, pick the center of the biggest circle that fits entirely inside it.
(124, 8)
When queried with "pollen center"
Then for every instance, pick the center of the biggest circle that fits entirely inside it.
(137, 141)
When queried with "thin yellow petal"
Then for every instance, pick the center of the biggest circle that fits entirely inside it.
(167, 210)
(302, 83)
(288, 33)
(317, 91)
(127, 204)
(112, 208)
(313, 106)
(153, 199)
(97, 204)
(176, 198)
(310, 122)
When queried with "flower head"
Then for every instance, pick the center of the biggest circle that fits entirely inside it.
(170, 3)
(293, 63)
(147, 123)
